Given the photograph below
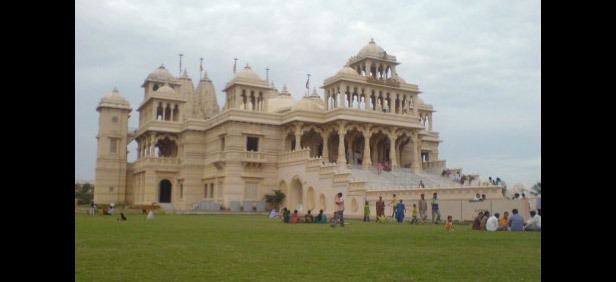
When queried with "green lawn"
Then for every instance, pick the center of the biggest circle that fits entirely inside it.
(253, 248)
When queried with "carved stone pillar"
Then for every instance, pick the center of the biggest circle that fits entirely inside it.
(430, 122)
(392, 148)
(341, 155)
(366, 159)
(324, 136)
(298, 136)
(416, 166)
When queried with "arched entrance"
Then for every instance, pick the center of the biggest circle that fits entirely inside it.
(310, 196)
(164, 191)
(296, 195)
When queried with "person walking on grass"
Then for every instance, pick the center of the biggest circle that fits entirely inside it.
(338, 215)
(400, 210)
(414, 215)
(436, 213)
(394, 203)
(380, 207)
(423, 209)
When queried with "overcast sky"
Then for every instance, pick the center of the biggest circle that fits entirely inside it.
(477, 62)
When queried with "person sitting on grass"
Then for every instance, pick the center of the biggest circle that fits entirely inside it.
(477, 221)
(516, 222)
(273, 214)
(122, 217)
(308, 218)
(321, 217)
(295, 217)
(414, 219)
(503, 222)
(534, 223)
(484, 220)
(492, 223)
(287, 216)
(150, 215)
(449, 224)
(382, 219)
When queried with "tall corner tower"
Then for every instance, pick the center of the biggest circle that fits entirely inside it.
(111, 159)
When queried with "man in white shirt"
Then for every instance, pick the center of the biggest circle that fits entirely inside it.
(492, 223)
(477, 198)
(534, 223)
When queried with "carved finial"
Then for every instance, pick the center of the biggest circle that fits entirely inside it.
(115, 90)
(371, 40)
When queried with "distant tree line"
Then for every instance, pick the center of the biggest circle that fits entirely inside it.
(84, 193)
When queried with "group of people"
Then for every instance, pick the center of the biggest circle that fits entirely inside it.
(479, 198)
(293, 218)
(93, 210)
(456, 176)
(399, 210)
(485, 222)
(287, 217)
(495, 181)
(380, 166)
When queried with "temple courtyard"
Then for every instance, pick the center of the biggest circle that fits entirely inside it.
(255, 248)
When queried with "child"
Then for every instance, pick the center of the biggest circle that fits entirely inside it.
(414, 215)
(449, 224)
(366, 212)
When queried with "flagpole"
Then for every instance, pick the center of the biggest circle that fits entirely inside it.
(308, 85)
(200, 68)
(180, 73)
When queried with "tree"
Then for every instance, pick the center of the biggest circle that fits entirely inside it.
(536, 189)
(84, 193)
(276, 199)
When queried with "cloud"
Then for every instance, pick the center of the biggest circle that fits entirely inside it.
(477, 62)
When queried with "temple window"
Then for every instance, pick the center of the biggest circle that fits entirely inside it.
(252, 144)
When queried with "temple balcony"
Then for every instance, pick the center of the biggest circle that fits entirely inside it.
(158, 163)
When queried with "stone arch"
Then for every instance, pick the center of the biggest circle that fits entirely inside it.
(354, 205)
(310, 199)
(296, 194)
(164, 191)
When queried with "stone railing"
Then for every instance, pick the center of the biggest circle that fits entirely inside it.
(253, 156)
(297, 155)
(357, 185)
(167, 161)
(389, 82)
(341, 177)
(445, 192)
(218, 157)
(328, 168)
(434, 165)
(314, 162)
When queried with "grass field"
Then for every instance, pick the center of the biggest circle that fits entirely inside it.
(254, 248)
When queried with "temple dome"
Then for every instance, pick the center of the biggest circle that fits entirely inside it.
(165, 90)
(280, 102)
(114, 99)
(371, 50)
(310, 103)
(160, 74)
(348, 70)
(248, 74)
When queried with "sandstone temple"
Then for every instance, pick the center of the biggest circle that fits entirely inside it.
(193, 155)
